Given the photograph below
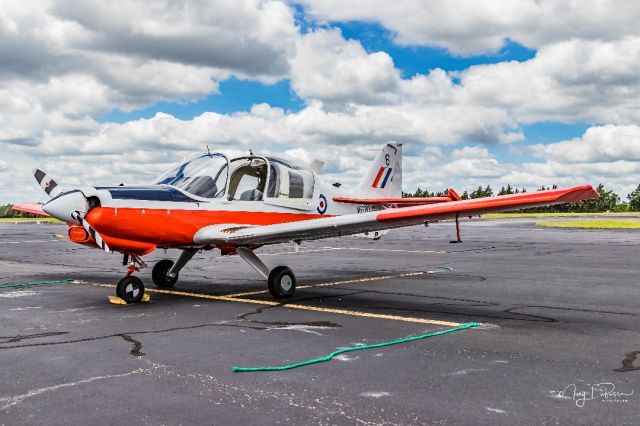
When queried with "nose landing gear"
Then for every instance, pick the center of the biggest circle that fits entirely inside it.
(130, 288)
(164, 275)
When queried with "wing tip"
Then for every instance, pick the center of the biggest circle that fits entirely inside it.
(33, 208)
(579, 193)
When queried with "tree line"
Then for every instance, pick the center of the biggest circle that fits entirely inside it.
(608, 201)
(5, 211)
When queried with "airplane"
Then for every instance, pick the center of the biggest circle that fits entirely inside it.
(236, 205)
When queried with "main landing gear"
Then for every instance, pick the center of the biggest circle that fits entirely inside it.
(281, 281)
(165, 272)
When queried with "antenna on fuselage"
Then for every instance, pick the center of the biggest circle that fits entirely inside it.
(208, 152)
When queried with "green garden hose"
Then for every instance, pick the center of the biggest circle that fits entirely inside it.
(36, 283)
(355, 348)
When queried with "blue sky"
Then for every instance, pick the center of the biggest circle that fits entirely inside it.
(236, 95)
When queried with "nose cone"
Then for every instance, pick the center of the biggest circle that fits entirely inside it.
(63, 205)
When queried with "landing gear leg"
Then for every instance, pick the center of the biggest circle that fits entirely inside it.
(458, 238)
(165, 272)
(130, 288)
(281, 281)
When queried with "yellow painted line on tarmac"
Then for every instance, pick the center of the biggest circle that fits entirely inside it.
(353, 281)
(188, 294)
(291, 306)
(369, 315)
(307, 308)
(212, 297)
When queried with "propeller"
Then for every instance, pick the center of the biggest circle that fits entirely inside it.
(68, 206)
(49, 185)
(94, 234)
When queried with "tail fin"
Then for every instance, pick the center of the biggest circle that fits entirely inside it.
(384, 178)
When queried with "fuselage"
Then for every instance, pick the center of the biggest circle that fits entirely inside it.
(139, 219)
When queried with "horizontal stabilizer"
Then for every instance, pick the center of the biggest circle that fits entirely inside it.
(413, 201)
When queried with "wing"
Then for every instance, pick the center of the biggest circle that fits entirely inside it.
(33, 208)
(391, 218)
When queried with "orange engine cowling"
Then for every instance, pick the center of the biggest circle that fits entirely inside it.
(79, 235)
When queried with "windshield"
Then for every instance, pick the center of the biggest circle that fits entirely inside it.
(204, 176)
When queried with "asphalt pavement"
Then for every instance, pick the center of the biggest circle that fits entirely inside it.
(557, 340)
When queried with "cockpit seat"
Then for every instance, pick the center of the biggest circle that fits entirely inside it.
(204, 186)
(251, 195)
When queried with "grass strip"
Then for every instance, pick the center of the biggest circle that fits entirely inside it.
(593, 224)
(29, 220)
(516, 215)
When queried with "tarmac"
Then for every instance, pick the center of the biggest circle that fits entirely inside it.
(557, 341)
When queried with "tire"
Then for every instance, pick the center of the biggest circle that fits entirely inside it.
(281, 282)
(159, 274)
(130, 289)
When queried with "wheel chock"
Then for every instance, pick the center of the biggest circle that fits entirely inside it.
(115, 300)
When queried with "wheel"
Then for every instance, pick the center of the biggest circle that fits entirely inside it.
(159, 274)
(281, 282)
(130, 289)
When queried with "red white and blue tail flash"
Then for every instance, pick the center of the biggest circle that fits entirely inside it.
(380, 181)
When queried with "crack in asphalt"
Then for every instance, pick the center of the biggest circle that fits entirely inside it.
(259, 310)
(19, 337)
(627, 362)
(135, 345)
(128, 335)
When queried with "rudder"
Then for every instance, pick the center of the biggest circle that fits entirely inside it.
(384, 178)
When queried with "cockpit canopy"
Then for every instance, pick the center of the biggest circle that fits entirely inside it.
(204, 176)
(249, 178)
(287, 180)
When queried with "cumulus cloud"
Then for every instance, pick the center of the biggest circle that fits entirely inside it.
(468, 27)
(66, 63)
(248, 37)
(329, 68)
(598, 144)
(568, 81)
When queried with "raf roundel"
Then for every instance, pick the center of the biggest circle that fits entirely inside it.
(322, 204)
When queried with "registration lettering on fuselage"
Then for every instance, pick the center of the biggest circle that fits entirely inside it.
(363, 208)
